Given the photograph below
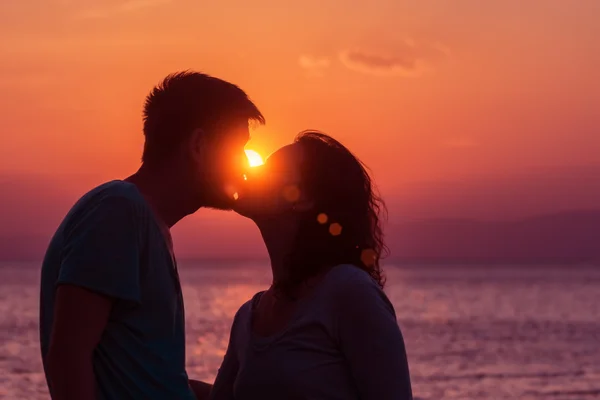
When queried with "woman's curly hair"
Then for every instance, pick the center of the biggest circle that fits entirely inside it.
(345, 224)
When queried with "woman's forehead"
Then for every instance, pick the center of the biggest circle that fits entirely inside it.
(290, 155)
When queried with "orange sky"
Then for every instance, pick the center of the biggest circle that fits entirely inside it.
(420, 90)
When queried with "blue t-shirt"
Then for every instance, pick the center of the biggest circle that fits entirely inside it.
(111, 243)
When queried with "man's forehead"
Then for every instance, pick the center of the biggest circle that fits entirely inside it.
(239, 131)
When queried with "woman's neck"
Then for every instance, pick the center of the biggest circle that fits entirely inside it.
(280, 245)
(279, 240)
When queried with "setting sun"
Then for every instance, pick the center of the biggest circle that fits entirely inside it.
(254, 158)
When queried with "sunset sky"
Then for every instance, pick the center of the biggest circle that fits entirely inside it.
(422, 91)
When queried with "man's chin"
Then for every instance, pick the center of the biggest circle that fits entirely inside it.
(221, 203)
(242, 210)
(248, 209)
(221, 207)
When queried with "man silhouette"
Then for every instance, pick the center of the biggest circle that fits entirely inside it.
(111, 309)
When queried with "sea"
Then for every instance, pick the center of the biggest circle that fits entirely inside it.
(471, 332)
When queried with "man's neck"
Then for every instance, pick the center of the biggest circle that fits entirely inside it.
(165, 194)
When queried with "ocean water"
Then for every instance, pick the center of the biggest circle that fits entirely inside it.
(471, 333)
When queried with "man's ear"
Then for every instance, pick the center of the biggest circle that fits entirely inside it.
(197, 143)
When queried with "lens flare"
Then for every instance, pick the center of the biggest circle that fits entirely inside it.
(322, 218)
(335, 229)
(254, 159)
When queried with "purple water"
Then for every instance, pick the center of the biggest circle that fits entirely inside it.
(471, 333)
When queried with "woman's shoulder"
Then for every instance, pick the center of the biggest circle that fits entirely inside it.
(348, 277)
(245, 310)
(346, 285)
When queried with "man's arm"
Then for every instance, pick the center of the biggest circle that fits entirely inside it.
(100, 264)
(80, 317)
(200, 389)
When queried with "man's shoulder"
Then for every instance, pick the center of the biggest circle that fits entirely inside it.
(109, 196)
(114, 191)
(105, 204)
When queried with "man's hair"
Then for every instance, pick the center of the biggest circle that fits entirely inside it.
(189, 100)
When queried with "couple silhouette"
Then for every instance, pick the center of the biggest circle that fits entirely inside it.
(112, 322)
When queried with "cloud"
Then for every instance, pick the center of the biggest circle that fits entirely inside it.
(409, 58)
(314, 66)
(122, 7)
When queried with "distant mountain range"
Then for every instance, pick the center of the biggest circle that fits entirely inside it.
(536, 217)
(566, 237)
(514, 195)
